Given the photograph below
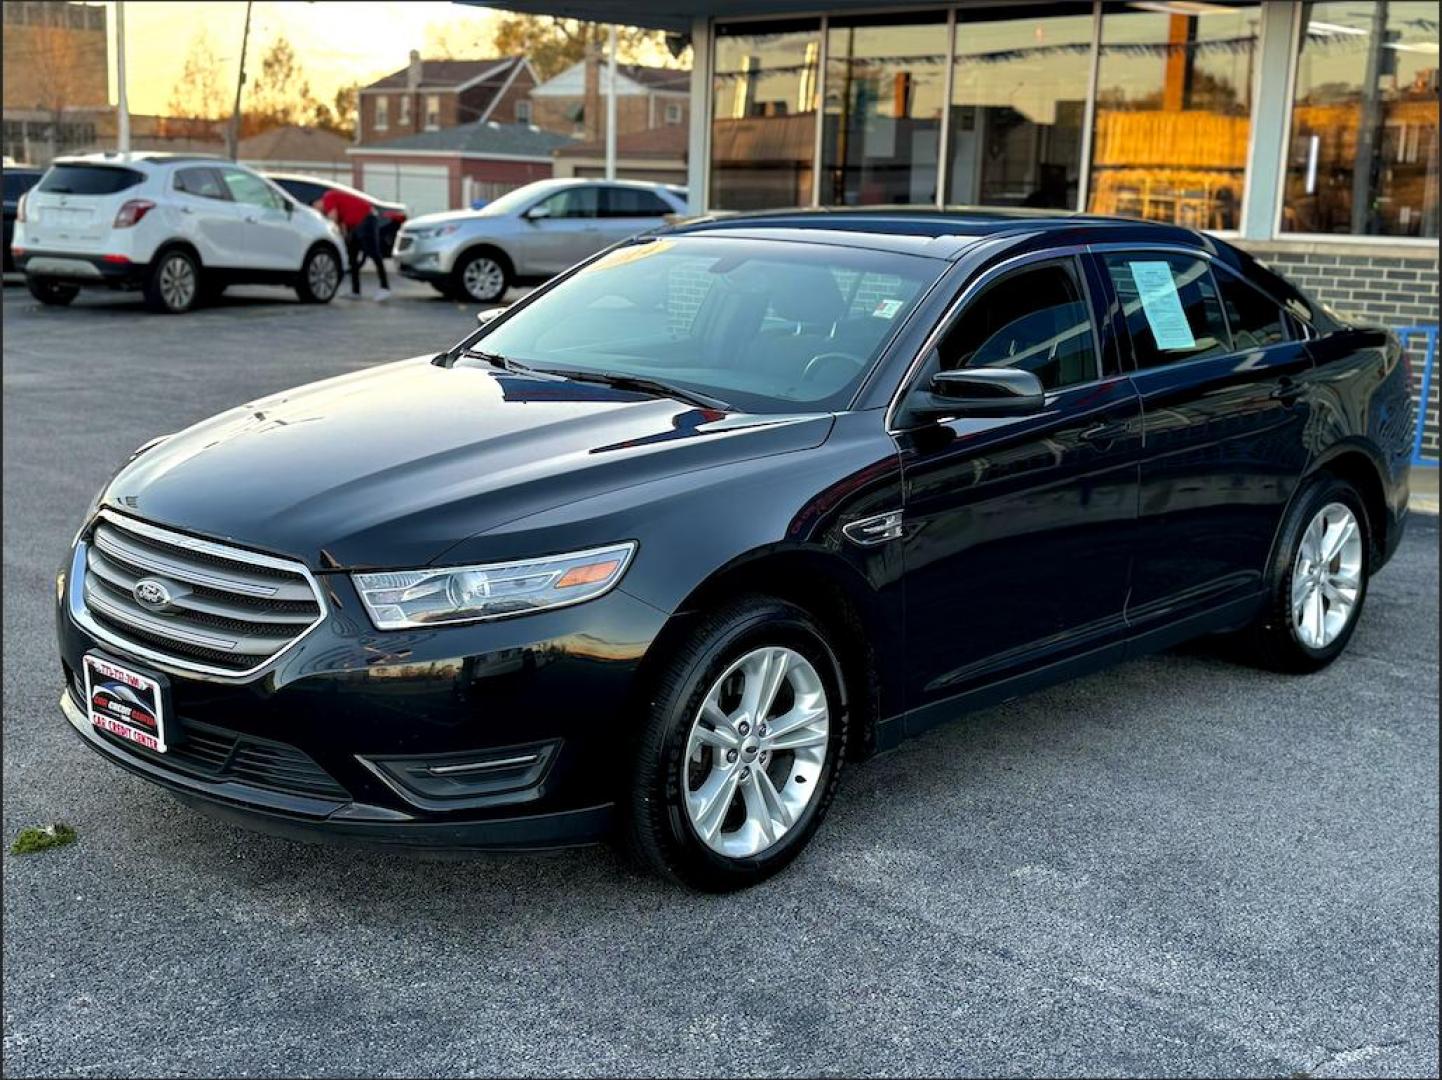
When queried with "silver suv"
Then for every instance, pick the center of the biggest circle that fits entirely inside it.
(529, 234)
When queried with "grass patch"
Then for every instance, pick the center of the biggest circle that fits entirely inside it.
(38, 839)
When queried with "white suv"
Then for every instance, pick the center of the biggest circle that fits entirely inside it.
(179, 227)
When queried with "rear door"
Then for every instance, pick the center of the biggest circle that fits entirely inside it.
(207, 216)
(1224, 417)
(74, 205)
(626, 211)
(264, 238)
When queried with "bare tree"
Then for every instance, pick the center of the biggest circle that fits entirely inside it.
(199, 94)
(57, 63)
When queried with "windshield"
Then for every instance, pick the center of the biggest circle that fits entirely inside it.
(764, 325)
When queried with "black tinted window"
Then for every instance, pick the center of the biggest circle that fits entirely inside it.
(303, 190)
(633, 202)
(1171, 307)
(1256, 322)
(18, 183)
(89, 179)
(203, 182)
(576, 202)
(1035, 319)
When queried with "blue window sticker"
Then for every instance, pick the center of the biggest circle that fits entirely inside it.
(1161, 305)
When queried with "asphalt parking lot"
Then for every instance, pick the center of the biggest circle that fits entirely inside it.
(1177, 867)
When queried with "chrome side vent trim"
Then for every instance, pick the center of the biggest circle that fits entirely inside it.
(870, 531)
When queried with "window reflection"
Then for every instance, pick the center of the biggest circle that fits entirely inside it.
(1363, 152)
(1017, 105)
(763, 129)
(882, 126)
(1173, 111)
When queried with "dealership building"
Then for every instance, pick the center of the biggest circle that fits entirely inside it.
(1304, 132)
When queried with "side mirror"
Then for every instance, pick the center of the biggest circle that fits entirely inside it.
(977, 392)
(490, 315)
(537, 213)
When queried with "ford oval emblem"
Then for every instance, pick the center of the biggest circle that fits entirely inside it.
(151, 593)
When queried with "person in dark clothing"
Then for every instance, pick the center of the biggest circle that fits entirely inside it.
(362, 227)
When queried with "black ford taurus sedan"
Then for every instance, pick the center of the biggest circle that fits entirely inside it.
(655, 551)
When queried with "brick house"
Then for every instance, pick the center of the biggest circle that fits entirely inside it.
(449, 168)
(573, 102)
(431, 95)
(656, 154)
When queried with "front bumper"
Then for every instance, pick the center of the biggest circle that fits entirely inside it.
(503, 735)
(77, 269)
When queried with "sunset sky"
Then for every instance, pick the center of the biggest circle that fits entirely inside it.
(338, 42)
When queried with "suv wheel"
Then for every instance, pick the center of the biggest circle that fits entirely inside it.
(174, 283)
(319, 277)
(51, 292)
(1317, 582)
(480, 276)
(741, 751)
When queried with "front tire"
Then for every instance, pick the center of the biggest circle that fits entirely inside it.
(319, 277)
(173, 286)
(1317, 581)
(481, 277)
(53, 293)
(741, 748)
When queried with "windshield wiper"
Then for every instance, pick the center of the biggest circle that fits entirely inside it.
(643, 384)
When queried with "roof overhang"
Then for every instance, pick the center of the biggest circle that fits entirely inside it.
(676, 15)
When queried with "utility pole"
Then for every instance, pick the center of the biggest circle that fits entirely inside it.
(232, 134)
(611, 105)
(123, 134)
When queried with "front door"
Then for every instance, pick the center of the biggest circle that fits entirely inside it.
(561, 230)
(1223, 387)
(264, 238)
(1018, 530)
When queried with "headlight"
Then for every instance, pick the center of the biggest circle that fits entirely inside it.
(434, 231)
(398, 599)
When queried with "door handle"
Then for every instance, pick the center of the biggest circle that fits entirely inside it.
(252, 220)
(1287, 392)
(1102, 434)
(186, 210)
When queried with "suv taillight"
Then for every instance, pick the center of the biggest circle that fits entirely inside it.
(20, 208)
(132, 212)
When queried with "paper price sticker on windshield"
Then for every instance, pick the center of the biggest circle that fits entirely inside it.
(1161, 305)
(886, 309)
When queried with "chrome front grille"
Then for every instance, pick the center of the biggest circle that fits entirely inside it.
(193, 603)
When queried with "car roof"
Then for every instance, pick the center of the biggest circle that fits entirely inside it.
(944, 233)
(149, 157)
(320, 181)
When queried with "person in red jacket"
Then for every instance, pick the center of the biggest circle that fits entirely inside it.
(362, 227)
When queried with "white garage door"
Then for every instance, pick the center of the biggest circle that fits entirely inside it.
(425, 189)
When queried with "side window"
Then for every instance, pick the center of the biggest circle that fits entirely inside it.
(250, 189)
(1035, 319)
(1256, 322)
(202, 182)
(632, 202)
(1171, 306)
(576, 202)
(304, 192)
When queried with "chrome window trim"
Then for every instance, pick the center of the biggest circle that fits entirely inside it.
(953, 310)
(80, 615)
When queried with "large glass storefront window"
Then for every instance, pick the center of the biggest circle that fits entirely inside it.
(1363, 152)
(1017, 105)
(881, 131)
(1173, 111)
(763, 127)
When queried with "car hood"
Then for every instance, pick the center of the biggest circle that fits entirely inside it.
(394, 465)
(445, 218)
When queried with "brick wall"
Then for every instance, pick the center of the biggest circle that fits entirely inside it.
(1388, 284)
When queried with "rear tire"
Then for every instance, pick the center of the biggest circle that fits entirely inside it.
(319, 276)
(1317, 583)
(481, 277)
(54, 293)
(173, 285)
(725, 803)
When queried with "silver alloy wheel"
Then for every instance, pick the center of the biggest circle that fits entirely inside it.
(483, 278)
(177, 282)
(323, 275)
(1327, 576)
(756, 750)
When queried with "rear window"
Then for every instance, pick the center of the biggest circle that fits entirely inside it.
(89, 179)
(18, 183)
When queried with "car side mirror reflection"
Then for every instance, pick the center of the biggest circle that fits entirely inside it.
(536, 213)
(980, 392)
